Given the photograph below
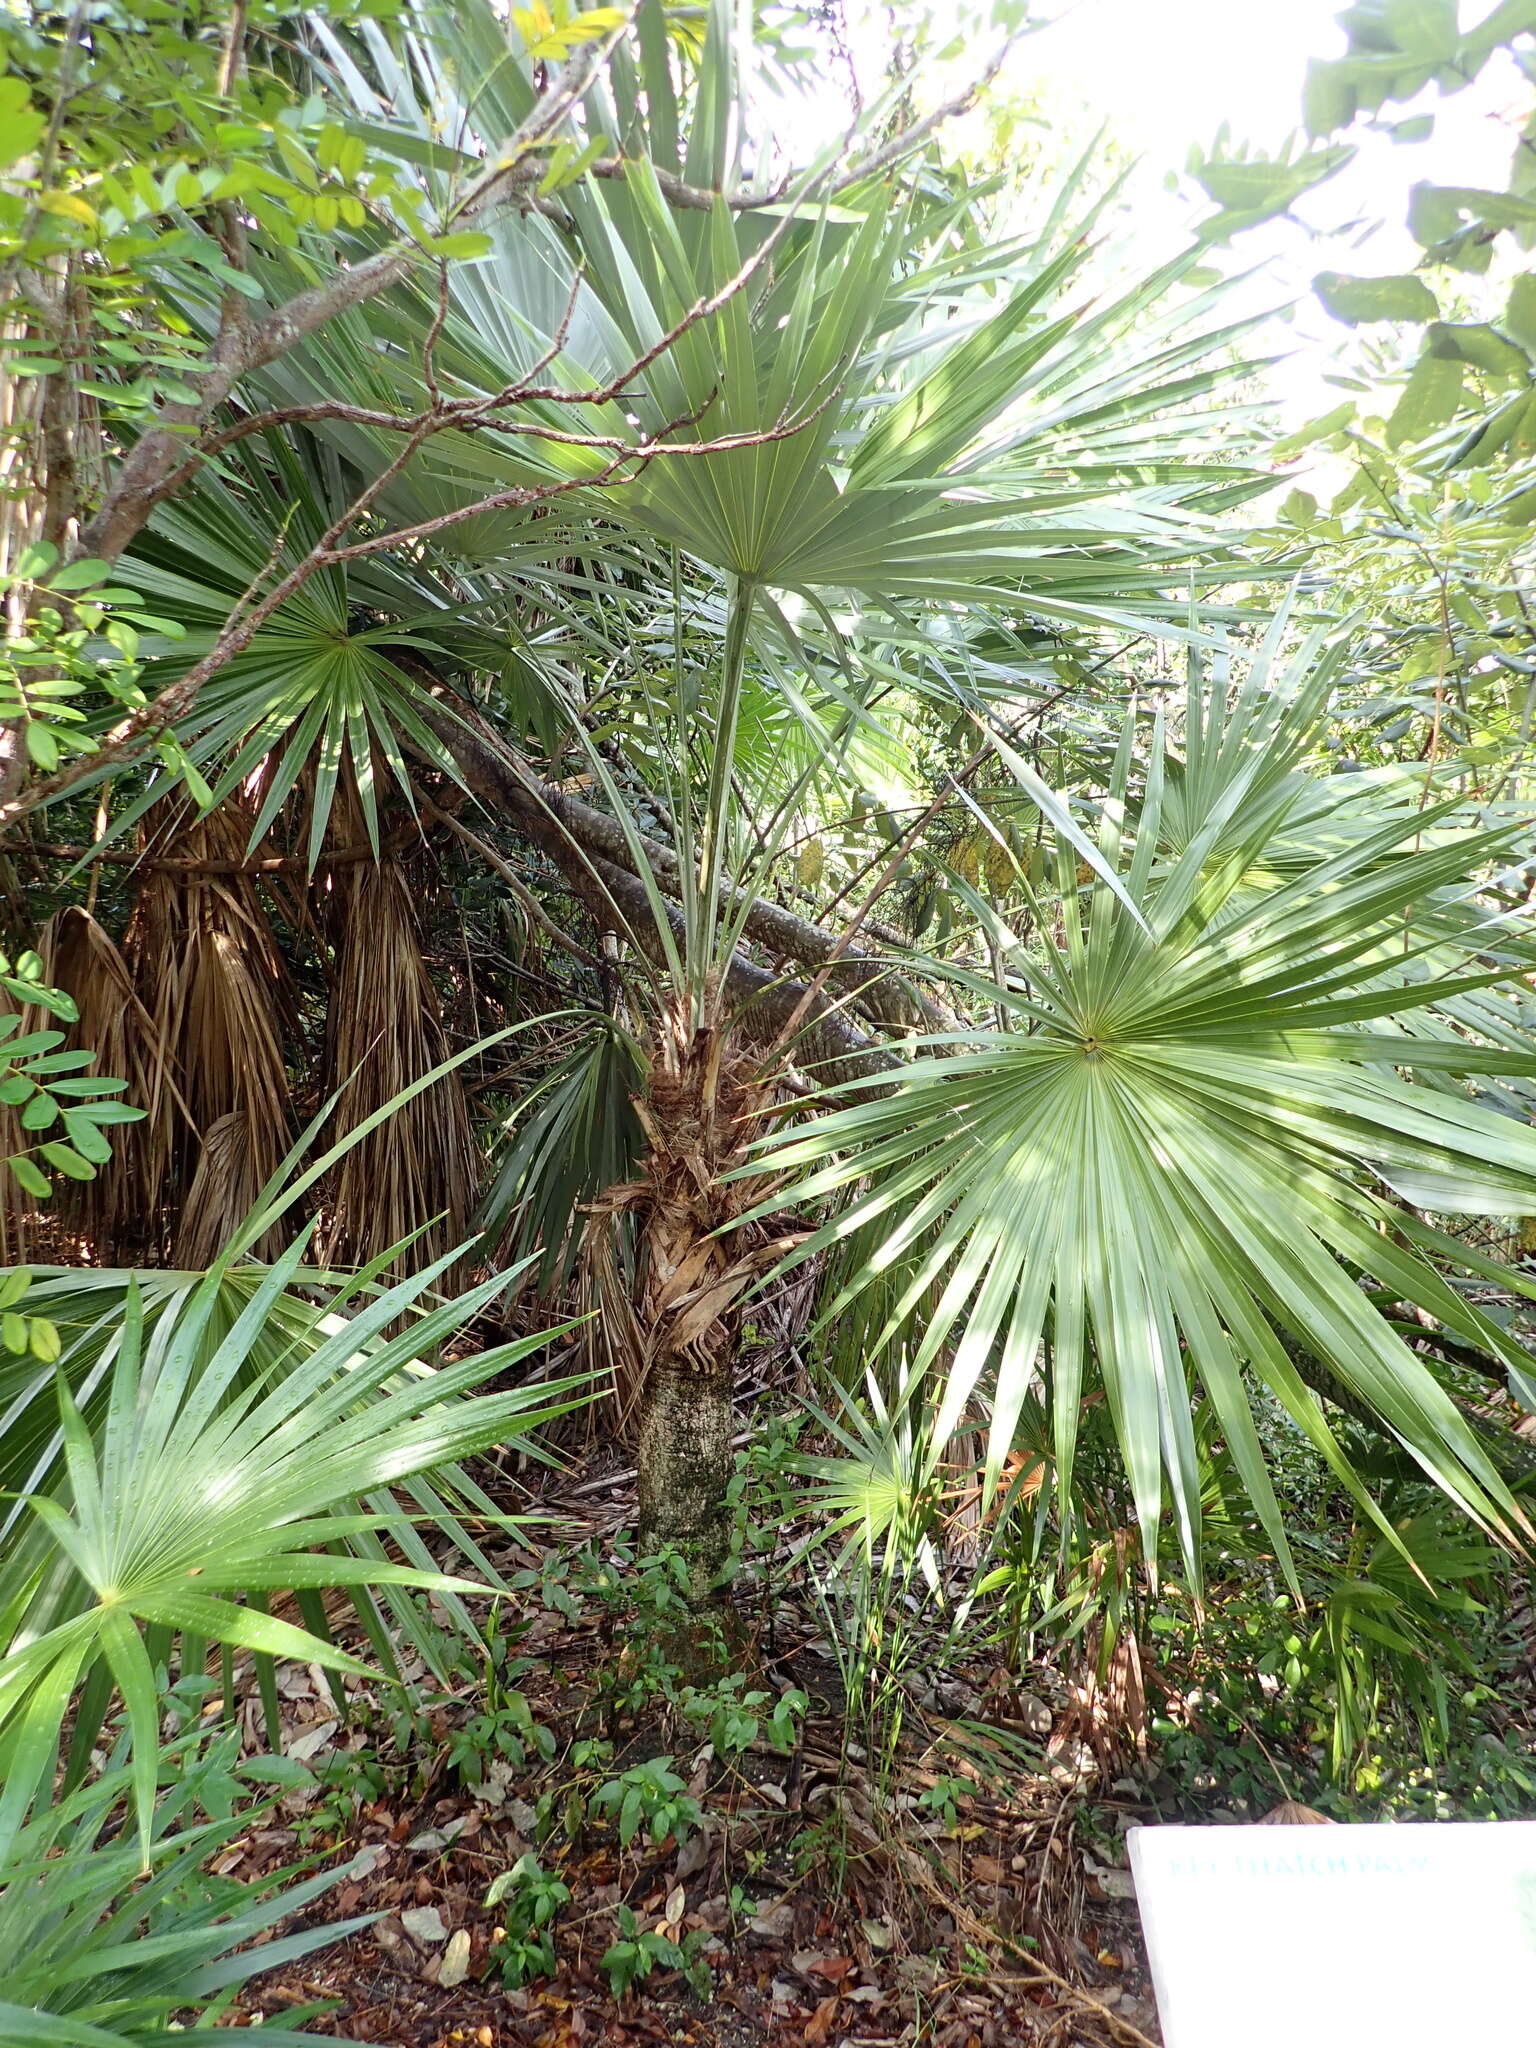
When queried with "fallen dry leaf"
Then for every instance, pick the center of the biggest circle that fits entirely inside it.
(819, 2025)
(424, 1923)
(833, 1968)
(455, 1964)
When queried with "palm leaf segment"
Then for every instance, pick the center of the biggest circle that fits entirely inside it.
(105, 1939)
(1173, 1158)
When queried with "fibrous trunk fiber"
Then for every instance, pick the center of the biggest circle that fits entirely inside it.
(699, 1115)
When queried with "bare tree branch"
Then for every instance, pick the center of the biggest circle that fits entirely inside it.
(553, 819)
(250, 614)
(244, 346)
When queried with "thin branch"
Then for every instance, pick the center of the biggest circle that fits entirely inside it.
(243, 623)
(641, 452)
(262, 864)
(244, 347)
(701, 199)
(520, 890)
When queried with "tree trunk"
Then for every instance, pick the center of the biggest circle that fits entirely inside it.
(699, 1112)
(686, 1424)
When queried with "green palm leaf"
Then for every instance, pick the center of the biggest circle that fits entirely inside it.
(1172, 1160)
(103, 1940)
(207, 1485)
(316, 687)
(1003, 424)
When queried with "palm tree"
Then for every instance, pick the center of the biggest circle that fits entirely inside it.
(914, 429)
(896, 428)
(810, 503)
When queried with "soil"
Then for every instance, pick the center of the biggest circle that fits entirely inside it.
(1001, 1918)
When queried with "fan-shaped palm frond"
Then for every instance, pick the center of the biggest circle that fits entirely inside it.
(908, 419)
(1172, 1159)
(318, 685)
(573, 1134)
(105, 1940)
(208, 1482)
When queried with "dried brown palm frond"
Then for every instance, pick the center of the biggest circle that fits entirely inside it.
(212, 979)
(222, 1194)
(612, 1341)
(384, 1030)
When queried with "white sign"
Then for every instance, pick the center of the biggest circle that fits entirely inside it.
(1415, 1936)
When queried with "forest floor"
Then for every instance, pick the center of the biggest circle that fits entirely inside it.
(795, 1894)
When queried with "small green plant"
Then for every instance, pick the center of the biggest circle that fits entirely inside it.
(650, 1796)
(736, 1718)
(533, 1898)
(60, 1108)
(87, 643)
(942, 1798)
(505, 1729)
(349, 1781)
(631, 1959)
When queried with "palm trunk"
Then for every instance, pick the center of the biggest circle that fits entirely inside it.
(687, 1420)
(697, 1116)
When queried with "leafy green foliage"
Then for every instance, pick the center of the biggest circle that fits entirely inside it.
(105, 1940)
(572, 1134)
(316, 693)
(504, 1729)
(530, 1898)
(732, 1714)
(1480, 372)
(157, 136)
(1161, 1161)
(1356, 299)
(650, 1796)
(65, 1111)
(82, 636)
(204, 1489)
(1250, 188)
(25, 1335)
(1213, 1042)
(638, 1950)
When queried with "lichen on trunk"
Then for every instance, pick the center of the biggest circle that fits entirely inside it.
(686, 1425)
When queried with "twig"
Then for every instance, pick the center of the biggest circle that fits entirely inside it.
(265, 864)
(522, 893)
(243, 623)
(247, 346)
(888, 875)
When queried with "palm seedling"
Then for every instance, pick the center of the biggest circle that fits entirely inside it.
(107, 1941)
(188, 1479)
